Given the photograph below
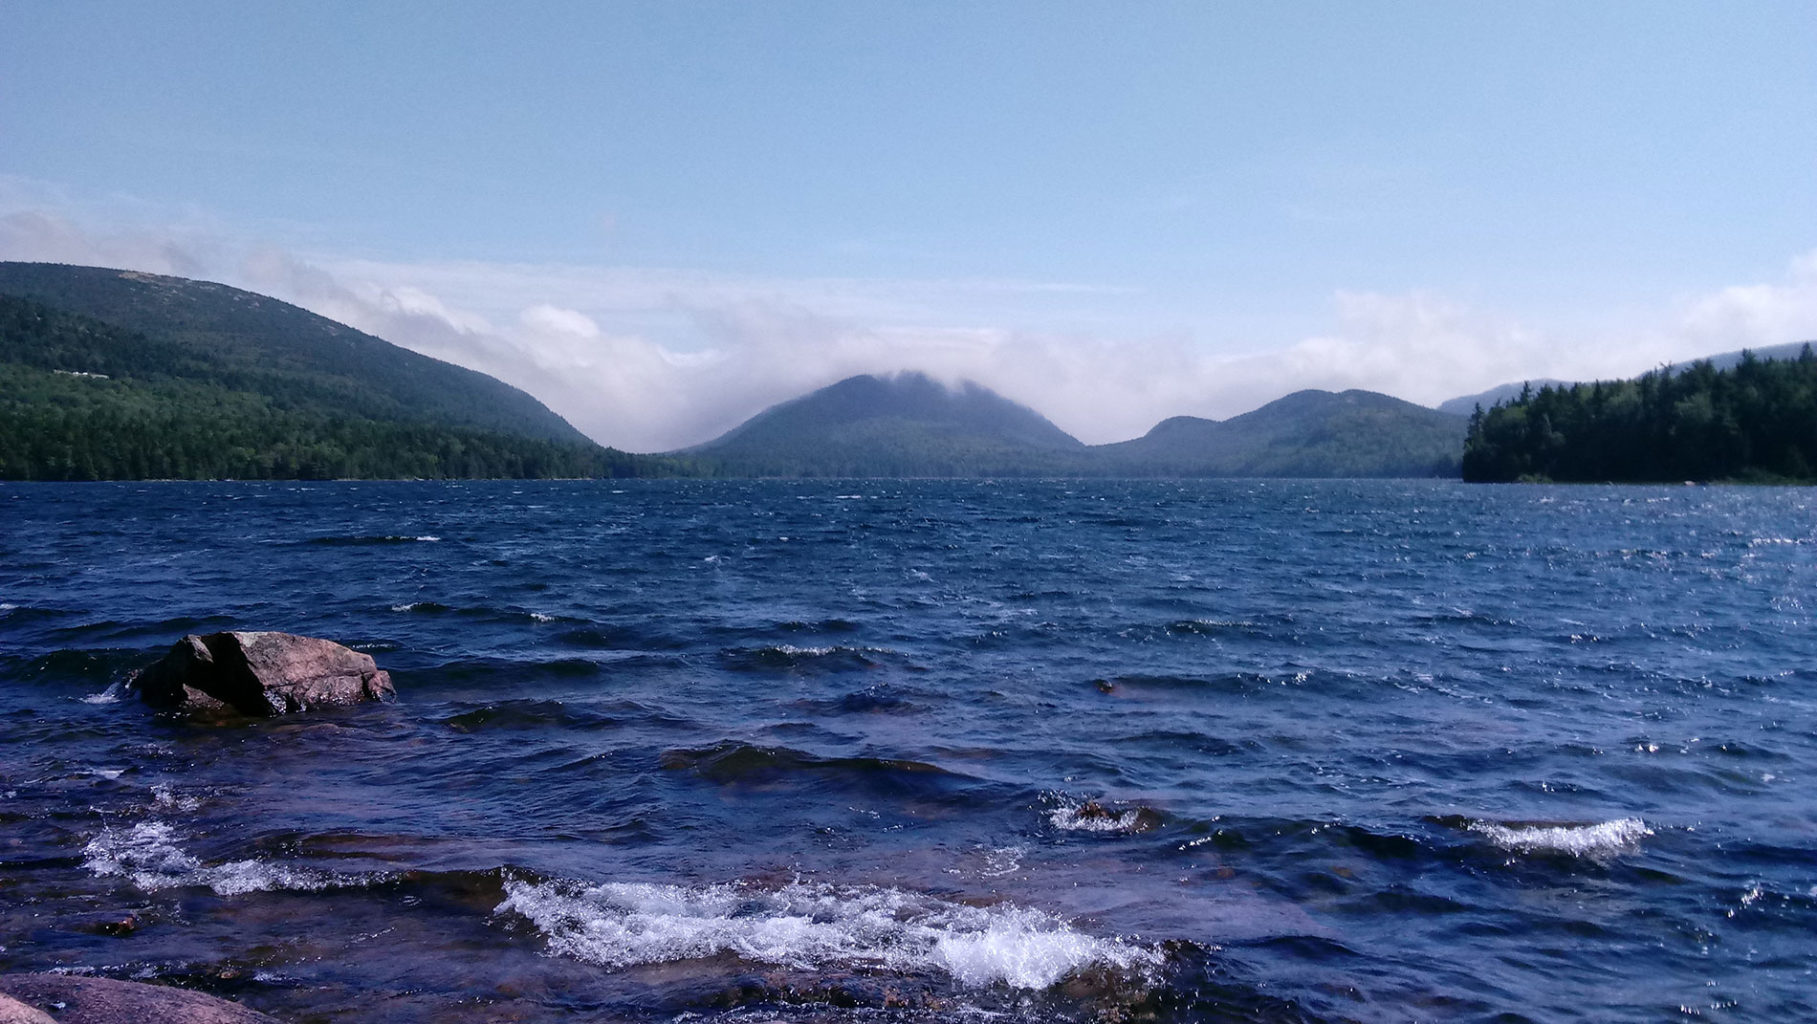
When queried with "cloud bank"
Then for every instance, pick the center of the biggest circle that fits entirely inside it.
(654, 359)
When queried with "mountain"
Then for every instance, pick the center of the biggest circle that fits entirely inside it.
(118, 374)
(1467, 404)
(903, 425)
(1306, 434)
(1729, 360)
(911, 425)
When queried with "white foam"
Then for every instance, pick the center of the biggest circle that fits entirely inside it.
(814, 926)
(540, 617)
(1599, 840)
(150, 855)
(166, 797)
(111, 695)
(1094, 817)
(109, 774)
(1005, 860)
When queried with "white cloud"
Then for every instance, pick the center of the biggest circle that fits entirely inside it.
(650, 359)
(1757, 314)
(556, 320)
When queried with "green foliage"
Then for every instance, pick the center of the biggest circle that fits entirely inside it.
(83, 399)
(1306, 434)
(1756, 421)
(249, 342)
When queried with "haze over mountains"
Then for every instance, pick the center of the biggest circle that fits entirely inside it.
(911, 425)
(117, 374)
(1466, 404)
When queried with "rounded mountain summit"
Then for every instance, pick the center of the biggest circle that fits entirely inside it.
(911, 425)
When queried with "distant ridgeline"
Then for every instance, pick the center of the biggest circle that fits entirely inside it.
(909, 425)
(109, 374)
(1756, 421)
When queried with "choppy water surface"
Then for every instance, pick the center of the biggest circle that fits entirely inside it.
(720, 751)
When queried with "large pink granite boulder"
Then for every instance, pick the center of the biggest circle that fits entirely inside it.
(69, 999)
(260, 674)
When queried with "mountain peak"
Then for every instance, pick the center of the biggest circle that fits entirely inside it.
(901, 424)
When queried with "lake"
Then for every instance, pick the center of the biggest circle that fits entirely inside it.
(929, 750)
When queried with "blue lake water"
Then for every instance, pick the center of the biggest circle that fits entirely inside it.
(840, 751)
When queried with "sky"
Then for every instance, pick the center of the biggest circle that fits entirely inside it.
(662, 217)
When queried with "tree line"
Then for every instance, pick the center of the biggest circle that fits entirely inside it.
(1756, 422)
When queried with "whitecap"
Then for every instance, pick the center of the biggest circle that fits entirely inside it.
(111, 695)
(164, 796)
(151, 856)
(1092, 816)
(1070, 819)
(806, 926)
(1603, 839)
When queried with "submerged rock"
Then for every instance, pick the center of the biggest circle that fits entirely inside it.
(260, 674)
(67, 999)
(12, 1011)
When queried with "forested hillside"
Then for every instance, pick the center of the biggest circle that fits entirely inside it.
(185, 379)
(1756, 421)
(1306, 434)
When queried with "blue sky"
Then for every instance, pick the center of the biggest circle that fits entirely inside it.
(659, 217)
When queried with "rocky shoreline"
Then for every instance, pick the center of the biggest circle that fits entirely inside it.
(45, 998)
(226, 674)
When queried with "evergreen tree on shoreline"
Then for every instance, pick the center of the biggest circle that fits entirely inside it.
(1756, 421)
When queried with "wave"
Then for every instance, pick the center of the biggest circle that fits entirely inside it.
(1244, 683)
(741, 763)
(1595, 841)
(811, 927)
(100, 666)
(529, 713)
(513, 615)
(111, 695)
(360, 541)
(790, 658)
(1209, 627)
(151, 856)
(1093, 816)
(868, 701)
